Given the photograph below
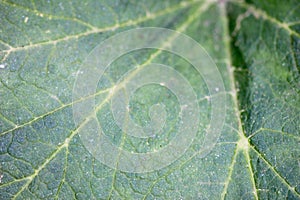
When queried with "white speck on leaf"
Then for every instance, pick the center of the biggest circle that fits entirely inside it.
(26, 20)
(2, 66)
(183, 107)
(54, 97)
(207, 98)
(79, 72)
(1, 176)
(111, 91)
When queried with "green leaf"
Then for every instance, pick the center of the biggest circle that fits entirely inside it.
(256, 47)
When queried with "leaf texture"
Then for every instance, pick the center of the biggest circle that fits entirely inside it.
(256, 47)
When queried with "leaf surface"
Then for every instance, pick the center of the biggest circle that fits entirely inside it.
(256, 47)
